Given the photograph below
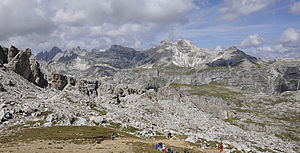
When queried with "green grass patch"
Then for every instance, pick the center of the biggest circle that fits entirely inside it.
(115, 125)
(233, 121)
(101, 112)
(76, 134)
(130, 129)
(263, 150)
(288, 136)
(32, 123)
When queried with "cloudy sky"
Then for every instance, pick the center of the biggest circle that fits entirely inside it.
(264, 28)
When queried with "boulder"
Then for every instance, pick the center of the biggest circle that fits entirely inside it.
(58, 81)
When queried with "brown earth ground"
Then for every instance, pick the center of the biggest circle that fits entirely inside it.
(88, 140)
(120, 145)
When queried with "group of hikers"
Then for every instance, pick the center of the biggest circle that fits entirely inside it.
(162, 147)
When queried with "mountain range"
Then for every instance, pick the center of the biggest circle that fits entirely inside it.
(247, 103)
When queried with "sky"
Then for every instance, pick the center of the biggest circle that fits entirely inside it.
(262, 28)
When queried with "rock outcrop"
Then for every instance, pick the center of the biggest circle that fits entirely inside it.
(24, 64)
(288, 75)
(3, 55)
(12, 52)
(58, 81)
(89, 88)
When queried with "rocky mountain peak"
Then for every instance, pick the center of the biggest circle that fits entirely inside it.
(49, 55)
(231, 49)
(232, 56)
(184, 43)
(119, 48)
(181, 53)
(165, 42)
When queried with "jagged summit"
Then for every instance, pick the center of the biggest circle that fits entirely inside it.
(182, 53)
(231, 49)
(48, 55)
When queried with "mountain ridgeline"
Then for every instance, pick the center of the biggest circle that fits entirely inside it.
(182, 58)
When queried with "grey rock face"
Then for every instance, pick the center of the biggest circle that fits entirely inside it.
(25, 64)
(3, 55)
(118, 56)
(289, 75)
(12, 52)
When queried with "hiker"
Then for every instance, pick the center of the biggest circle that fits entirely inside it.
(221, 148)
(169, 135)
(112, 135)
(169, 151)
(159, 146)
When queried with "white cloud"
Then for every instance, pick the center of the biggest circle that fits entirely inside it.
(295, 8)
(236, 8)
(19, 17)
(252, 41)
(288, 45)
(89, 23)
(290, 37)
(265, 49)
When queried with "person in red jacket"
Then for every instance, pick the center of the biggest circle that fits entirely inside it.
(221, 147)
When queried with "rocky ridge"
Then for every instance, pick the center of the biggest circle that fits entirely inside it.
(23, 63)
(47, 56)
